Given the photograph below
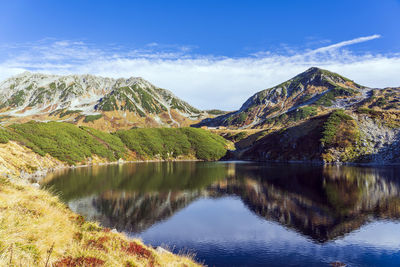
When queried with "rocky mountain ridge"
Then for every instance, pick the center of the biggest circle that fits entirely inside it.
(121, 103)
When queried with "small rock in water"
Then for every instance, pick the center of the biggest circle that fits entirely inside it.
(338, 264)
(162, 250)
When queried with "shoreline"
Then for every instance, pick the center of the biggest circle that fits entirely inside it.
(38, 229)
(39, 175)
(321, 163)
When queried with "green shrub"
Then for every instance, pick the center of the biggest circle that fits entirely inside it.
(294, 116)
(69, 112)
(90, 118)
(173, 142)
(73, 144)
(110, 140)
(4, 136)
(239, 136)
(63, 141)
(302, 113)
(207, 146)
(241, 118)
(328, 98)
(332, 134)
(368, 111)
(381, 102)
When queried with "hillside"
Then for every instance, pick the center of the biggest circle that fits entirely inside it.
(366, 136)
(317, 116)
(36, 147)
(103, 103)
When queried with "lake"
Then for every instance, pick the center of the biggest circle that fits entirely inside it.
(246, 213)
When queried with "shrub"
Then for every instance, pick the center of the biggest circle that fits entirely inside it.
(110, 140)
(73, 144)
(167, 142)
(328, 98)
(63, 141)
(339, 130)
(4, 136)
(90, 118)
(294, 116)
(69, 112)
(207, 146)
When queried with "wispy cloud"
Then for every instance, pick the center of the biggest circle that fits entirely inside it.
(205, 81)
(345, 43)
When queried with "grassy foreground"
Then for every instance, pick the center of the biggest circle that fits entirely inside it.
(36, 229)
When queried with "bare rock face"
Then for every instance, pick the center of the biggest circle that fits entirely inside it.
(381, 142)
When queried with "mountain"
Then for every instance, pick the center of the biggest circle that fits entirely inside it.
(305, 94)
(105, 102)
(317, 116)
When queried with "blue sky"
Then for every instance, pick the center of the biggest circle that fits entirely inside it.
(227, 49)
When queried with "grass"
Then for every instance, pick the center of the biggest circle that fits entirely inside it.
(36, 229)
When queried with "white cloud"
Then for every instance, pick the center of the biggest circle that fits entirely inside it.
(345, 43)
(204, 81)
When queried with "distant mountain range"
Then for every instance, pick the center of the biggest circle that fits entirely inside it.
(111, 103)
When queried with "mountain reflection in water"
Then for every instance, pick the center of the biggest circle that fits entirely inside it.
(320, 203)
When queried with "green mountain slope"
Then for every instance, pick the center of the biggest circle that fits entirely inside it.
(73, 145)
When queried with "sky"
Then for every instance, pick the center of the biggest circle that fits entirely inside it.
(213, 54)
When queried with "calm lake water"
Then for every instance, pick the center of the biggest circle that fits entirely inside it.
(246, 214)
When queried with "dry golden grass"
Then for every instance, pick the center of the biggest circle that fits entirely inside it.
(36, 229)
(15, 158)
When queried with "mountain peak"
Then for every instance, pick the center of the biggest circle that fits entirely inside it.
(325, 74)
(312, 70)
(315, 87)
